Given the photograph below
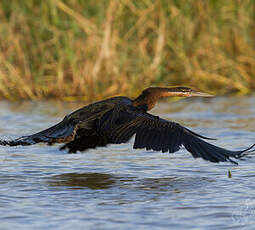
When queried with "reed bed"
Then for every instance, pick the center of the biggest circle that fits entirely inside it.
(86, 50)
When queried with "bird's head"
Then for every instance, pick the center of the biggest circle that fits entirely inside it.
(148, 98)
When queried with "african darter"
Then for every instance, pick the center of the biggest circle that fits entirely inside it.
(117, 119)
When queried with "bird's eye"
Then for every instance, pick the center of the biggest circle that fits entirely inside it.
(186, 89)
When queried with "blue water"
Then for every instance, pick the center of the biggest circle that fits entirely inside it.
(121, 188)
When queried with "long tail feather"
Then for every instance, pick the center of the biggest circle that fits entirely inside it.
(62, 132)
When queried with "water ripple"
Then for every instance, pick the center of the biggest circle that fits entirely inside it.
(121, 188)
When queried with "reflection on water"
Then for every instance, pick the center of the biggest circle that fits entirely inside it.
(82, 180)
(106, 181)
(120, 188)
(174, 184)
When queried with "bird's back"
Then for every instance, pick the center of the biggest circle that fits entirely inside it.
(99, 108)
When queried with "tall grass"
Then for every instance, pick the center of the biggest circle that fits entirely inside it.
(91, 49)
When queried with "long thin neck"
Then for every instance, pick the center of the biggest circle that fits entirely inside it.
(150, 96)
(147, 100)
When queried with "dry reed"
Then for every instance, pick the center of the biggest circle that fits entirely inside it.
(92, 49)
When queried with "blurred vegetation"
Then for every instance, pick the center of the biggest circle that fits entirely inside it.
(91, 49)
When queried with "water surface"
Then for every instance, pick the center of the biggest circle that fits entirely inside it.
(121, 188)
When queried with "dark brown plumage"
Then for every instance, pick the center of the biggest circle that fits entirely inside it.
(116, 120)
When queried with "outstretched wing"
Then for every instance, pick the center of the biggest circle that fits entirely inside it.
(161, 135)
(64, 131)
(76, 130)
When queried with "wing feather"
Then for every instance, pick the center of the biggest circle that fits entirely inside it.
(62, 132)
(154, 133)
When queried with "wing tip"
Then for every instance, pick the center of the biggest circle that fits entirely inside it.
(200, 136)
(4, 142)
(249, 150)
(240, 155)
(24, 140)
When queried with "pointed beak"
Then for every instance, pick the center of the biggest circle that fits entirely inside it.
(182, 92)
(194, 93)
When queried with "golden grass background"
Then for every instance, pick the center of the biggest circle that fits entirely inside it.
(90, 49)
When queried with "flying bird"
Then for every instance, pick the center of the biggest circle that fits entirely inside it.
(115, 120)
